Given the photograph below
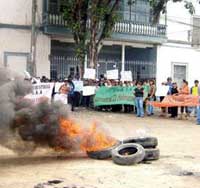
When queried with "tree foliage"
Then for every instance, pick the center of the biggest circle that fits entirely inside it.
(90, 21)
(159, 6)
(75, 13)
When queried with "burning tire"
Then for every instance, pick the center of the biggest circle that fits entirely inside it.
(147, 142)
(128, 154)
(151, 154)
(102, 154)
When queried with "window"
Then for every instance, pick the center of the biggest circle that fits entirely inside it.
(138, 11)
(54, 6)
(17, 61)
(179, 72)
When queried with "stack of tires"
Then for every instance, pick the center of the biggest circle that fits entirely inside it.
(130, 151)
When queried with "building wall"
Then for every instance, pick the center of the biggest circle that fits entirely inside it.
(185, 55)
(18, 41)
(15, 40)
(178, 49)
(19, 12)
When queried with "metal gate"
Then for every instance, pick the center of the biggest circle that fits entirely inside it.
(141, 70)
(62, 67)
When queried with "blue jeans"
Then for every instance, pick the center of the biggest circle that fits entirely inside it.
(198, 115)
(191, 109)
(150, 107)
(139, 106)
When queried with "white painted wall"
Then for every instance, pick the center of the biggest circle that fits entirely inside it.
(170, 53)
(18, 12)
(175, 52)
(12, 40)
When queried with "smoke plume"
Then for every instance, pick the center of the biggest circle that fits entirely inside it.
(24, 125)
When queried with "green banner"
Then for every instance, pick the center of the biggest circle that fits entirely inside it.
(115, 95)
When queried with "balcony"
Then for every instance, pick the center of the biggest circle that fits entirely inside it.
(123, 30)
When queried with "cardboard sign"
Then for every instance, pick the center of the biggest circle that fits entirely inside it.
(126, 76)
(112, 74)
(89, 74)
(89, 90)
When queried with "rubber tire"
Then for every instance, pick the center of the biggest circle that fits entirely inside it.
(152, 154)
(103, 154)
(128, 159)
(147, 142)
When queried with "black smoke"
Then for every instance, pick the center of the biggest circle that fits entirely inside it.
(23, 125)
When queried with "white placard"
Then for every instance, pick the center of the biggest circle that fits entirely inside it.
(42, 90)
(162, 90)
(126, 76)
(112, 74)
(89, 90)
(89, 74)
(78, 85)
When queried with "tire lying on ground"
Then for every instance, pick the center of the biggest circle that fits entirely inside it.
(151, 154)
(147, 142)
(102, 154)
(128, 154)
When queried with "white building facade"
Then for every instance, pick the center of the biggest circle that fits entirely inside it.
(179, 58)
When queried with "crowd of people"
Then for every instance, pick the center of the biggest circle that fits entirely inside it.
(69, 94)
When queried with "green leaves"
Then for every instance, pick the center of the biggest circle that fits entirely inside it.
(159, 6)
(188, 5)
(90, 22)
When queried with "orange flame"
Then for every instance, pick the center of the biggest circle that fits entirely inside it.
(89, 140)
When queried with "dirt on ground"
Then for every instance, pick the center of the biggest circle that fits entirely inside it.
(178, 166)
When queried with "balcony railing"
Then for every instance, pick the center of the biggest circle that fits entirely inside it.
(121, 27)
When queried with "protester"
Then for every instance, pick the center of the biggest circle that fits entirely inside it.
(139, 94)
(78, 88)
(127, 108)
(168, 83)
(70, 85)
(184, 90)
(151, 97)
(146, 87)
(198, 113)
(62, 95)
(88, 93)
(174, 91)
(195, 91)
